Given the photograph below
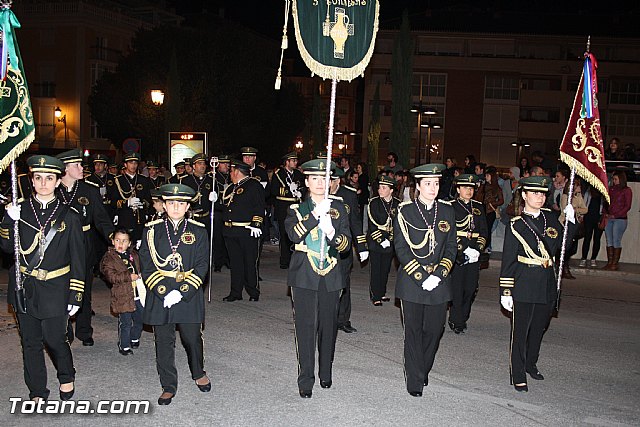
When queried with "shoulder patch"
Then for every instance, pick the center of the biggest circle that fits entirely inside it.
(193, 221)
(408, 202)
(91, 183)
(445, 202)
(154, 222)
(545, 209)
(74, 209)
(334, 197)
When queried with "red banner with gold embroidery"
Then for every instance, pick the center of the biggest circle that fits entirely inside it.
(582, 146)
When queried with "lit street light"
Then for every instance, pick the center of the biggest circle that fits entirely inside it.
(157, 97)
(63, 119)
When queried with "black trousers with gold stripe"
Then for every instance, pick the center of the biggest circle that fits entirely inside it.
(36, 335)
(243, 256)
(464, 282)
(191, 337)
(380, 266)
(423, 328)
(528, 325)
(315, 315)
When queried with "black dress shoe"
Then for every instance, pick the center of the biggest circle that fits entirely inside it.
(416, 393)
(305, 394)
(231, 298)
(254, 299)
(377, 303)
(126, 352)
(66, 395)
(165, 400)
(452, 326)
(386, 299)
(347, 328)
(535, 374)
(458, 330)
(426, 381)
(522, 388)
(205, 388)
(135, 344)
(325, 384)
(88, 342)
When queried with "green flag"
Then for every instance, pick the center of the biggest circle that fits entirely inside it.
(336, 37)
(17, 128)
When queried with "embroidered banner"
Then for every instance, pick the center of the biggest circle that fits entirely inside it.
(582, 146)
(336, 37)
(17, 128)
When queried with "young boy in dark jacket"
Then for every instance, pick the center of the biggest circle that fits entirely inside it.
(121, 267)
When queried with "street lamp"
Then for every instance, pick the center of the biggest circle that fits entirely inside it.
(420, 110)
(345, 134)
(63, 119)
(343, 147)
(299, 146)
(520, 146)
(157, 97)
(429, 148)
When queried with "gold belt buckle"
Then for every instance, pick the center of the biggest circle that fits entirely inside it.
(41, 274)
(429, 269)
(546, 263)
(180, 276)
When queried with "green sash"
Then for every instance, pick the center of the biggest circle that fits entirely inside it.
(313, 243)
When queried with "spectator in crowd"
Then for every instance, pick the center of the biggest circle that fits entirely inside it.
(392, 162)
(580, 208)
(446, 183)
(345, 164)
(523, 166)
(470, 164)
(559, 181)
(492, 199)
(616, 214)
(363, 185)
(539, 159)
(404, 190)
(593, 201)
(613, 151)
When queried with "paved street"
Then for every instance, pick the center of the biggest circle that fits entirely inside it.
(590, 358)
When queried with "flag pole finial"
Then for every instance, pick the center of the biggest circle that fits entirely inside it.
(588, 44)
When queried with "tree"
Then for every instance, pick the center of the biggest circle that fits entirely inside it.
(225, 85)
(401, 76)
(373, 136)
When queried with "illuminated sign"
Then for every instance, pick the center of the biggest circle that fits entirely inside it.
(183, 145)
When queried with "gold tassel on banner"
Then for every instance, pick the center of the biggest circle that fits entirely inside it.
(285, 43)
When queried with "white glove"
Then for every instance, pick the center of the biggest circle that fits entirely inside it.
(506, 302)
(385, 243)
(326, 226)
(570, 214)
(297, 194)
(472, 254)
(172, 298)
(255, 232)
(138, 244)
(322, 208)
(133, 202)
(14, 212)
(213, 197)
(364, 256)
(431, 283)
(72, 309)
(115, 220)
(264, 184)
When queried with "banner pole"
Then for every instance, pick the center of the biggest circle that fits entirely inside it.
(565, 232)
(16, 225)
(327, 175)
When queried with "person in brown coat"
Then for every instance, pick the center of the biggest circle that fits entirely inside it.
(121, 268)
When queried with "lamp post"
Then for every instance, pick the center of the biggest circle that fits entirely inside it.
(299, 146)
(420, 110)
(157, 97)
(345, 134)
(519, 145)
(63, 119)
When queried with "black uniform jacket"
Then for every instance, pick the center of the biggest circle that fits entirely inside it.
(416, 253)
(244, 206)
(281, 196)
(124, 187)
(158, 181)
(380, 223)
(85, 198)
(58, 279)
(103, 183)
(161, 277)
(203, 185)
(350, 200)
(527, 271)
(471, 227)
(222, 181)
(300, 223)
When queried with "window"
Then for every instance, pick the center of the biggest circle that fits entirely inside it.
(101, 48)
(500, 118)
(622, 123)
(429, 85)
(95, 129)
(539, 51)
(492, 48)
(540, 83)
(439, 46)
(625, 92)
(97, 70)
(497, 87)
(540, 115)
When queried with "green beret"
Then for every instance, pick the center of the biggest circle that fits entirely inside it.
(131, 157)
(177, 192)
(466, 180)
(45, 164)
(317, 167)
(535, 183)
(71, 156)
(431, 170)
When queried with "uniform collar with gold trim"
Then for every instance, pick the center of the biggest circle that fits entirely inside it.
(44, 205)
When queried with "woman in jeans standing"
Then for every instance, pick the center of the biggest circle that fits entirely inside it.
(616, 212)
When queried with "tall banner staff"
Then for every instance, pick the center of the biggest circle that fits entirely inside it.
(214, 165)
(336, 42)
(16, 120)
(582, 146)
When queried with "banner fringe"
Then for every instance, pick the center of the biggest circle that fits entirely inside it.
(16, 151)
(585, 173)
